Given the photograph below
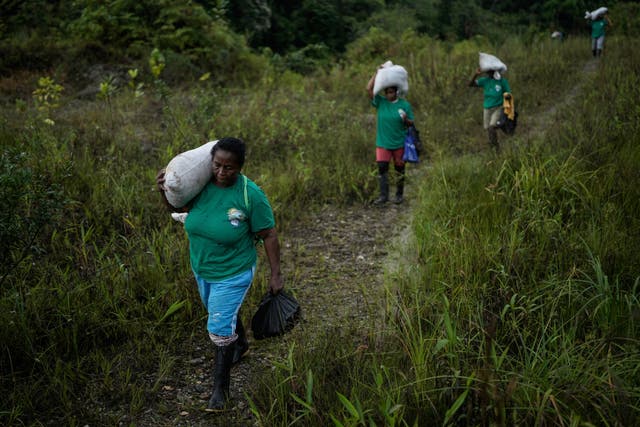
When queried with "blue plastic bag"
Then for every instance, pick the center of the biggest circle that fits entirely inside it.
(411, 154)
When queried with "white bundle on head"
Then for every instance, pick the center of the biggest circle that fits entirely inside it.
(489, 62)
(595, 14)
(392, 75)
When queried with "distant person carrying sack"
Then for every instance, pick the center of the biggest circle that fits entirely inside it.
(222, 222)
(394, 115)
(599, 21)
(494, 86)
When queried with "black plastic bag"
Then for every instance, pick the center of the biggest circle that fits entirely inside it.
(276, 315)
(414, 133)
(507, 125)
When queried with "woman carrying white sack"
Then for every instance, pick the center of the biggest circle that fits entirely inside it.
(495, 86)
(222, 223)
(394, 115)
(599, 21)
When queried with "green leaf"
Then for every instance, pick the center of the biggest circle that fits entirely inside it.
(347, 404)
(172, 309)
(458, 403)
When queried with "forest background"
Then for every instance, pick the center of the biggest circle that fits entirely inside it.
(299, 35)
(520, 304)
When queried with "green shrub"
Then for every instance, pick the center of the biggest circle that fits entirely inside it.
(33, 193)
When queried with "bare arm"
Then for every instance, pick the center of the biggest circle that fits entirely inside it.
(272, 249)
(472, 82)
(370, 85)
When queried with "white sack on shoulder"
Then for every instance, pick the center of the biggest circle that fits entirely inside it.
(187, 174)
(596, 13)
(392, 75)
(489, 62)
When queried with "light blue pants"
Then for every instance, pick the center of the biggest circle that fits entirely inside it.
(223, 300)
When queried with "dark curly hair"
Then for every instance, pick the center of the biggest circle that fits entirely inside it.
(232, 145)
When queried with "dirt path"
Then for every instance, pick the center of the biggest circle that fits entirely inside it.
(333, 262)
(538, 123)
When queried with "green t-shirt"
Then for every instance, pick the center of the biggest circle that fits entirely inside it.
(597, 28)
(493, 90)
(221, 228)
(390, 131)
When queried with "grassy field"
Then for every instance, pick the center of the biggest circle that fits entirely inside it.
(522, 308)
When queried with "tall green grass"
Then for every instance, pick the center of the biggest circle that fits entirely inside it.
(522, 308)
(530, 261)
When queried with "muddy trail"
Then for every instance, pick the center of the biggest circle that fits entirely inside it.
(333, 261)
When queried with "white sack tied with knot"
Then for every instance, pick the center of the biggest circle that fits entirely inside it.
(392, 75)
(595, 14)
(187, 174)
(488, 62)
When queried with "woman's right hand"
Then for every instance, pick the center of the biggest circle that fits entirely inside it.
(160, 179)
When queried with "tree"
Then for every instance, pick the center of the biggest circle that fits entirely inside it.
(249, 17)
(296, 24)
(564, 14)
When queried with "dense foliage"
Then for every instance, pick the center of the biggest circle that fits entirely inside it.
(215, 34)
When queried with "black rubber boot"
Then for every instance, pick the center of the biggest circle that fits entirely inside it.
(493, 139)
(400, 185)
(599, 52)
(221, 378)
(383, 179)
(384, 189)
(594, 52)
(241, 346)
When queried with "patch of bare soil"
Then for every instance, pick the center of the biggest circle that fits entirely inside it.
(333, 261)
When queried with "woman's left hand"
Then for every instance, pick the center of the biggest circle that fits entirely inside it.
(272, 248)
(276, 284)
